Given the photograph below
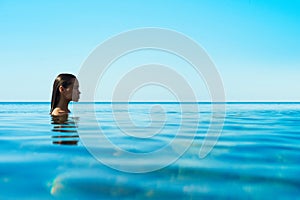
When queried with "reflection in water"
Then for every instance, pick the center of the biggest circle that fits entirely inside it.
(64, 130)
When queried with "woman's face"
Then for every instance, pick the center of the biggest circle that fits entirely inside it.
(75, 92)
(72, 92)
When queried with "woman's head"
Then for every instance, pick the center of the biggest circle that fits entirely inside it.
(65, 87)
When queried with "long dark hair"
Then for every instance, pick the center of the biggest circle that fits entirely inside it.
(64, 80)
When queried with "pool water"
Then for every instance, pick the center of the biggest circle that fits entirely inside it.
(257, 155)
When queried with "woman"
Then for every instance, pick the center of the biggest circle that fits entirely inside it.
(65, 89)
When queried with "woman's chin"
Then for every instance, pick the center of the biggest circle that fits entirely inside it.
(75, 100)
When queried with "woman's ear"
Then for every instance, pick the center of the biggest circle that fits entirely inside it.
(61, 89)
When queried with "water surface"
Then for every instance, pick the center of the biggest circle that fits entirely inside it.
(257, 154)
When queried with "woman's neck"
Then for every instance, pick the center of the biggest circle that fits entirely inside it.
(63, 105)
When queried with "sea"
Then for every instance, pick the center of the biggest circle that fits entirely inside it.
(150, 150)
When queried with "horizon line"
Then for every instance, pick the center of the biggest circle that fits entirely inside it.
(162, 102)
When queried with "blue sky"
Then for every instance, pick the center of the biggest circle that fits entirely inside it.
(255, 45)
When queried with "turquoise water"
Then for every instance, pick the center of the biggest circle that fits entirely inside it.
(257, 155)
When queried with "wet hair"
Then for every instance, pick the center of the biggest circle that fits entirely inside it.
(64, 80)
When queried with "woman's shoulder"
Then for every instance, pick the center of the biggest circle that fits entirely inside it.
(59, 112)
